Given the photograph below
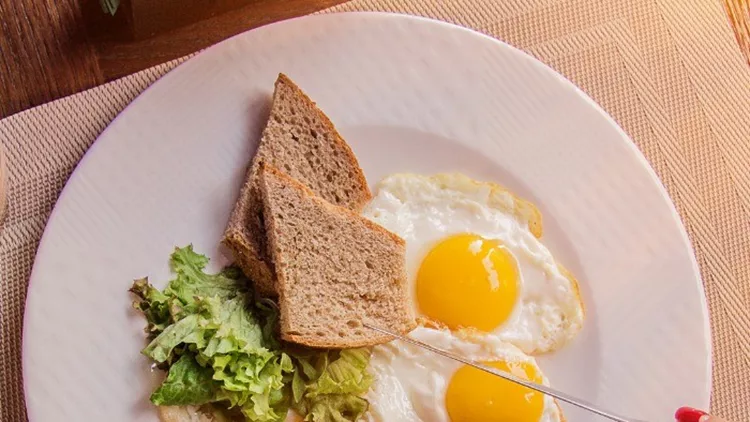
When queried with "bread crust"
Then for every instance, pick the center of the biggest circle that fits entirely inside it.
(244, 235)
(341, 143)
(288, 333)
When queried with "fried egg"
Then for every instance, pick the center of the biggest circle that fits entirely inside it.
(412, 384)
(475, 260)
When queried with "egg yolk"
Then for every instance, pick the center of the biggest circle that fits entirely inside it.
(474, 395)
(467, 281)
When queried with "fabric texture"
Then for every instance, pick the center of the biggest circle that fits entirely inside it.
(669, 71)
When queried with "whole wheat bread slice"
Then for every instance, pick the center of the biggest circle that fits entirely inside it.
(300, 139)
(336, 270)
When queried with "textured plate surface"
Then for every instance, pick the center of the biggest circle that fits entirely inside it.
(409, 95)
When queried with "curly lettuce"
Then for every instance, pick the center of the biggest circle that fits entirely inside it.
(327, 385)
(219, 347)
(212, 337)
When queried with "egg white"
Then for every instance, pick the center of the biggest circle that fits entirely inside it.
(425, 210)
(410, 382)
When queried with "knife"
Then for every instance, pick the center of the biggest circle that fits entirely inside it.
(507, 376)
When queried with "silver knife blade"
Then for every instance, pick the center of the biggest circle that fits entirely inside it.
(510, 377)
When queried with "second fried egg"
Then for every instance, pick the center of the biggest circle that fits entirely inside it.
(413, 385)
(475, 261)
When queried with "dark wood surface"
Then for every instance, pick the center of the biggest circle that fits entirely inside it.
(53, 48)
(44, 53)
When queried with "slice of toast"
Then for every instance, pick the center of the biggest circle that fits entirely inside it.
(336, 270)
(302, 141)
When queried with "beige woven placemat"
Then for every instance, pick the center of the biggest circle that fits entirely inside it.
(669, 71)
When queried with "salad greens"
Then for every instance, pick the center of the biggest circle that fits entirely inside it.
(218, 344)
(326, 386)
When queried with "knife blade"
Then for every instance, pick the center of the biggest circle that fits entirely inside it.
(512, 378)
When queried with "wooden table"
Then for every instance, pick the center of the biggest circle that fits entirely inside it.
(50, 49)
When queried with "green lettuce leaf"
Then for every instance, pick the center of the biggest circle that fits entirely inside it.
(192, 281)
(230, 326)
(326, 386)
(337, 408)
(180, 297)
(299, 386)
(269, 312)
(187, 383)
(209, 321)
(220, 347)
(185, 331)
(347, 374)
(153, 304)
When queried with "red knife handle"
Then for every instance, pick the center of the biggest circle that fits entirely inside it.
(688, 414)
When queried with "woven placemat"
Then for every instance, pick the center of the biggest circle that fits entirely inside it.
(669, 72)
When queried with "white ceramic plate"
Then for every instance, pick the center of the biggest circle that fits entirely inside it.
(409, 95)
